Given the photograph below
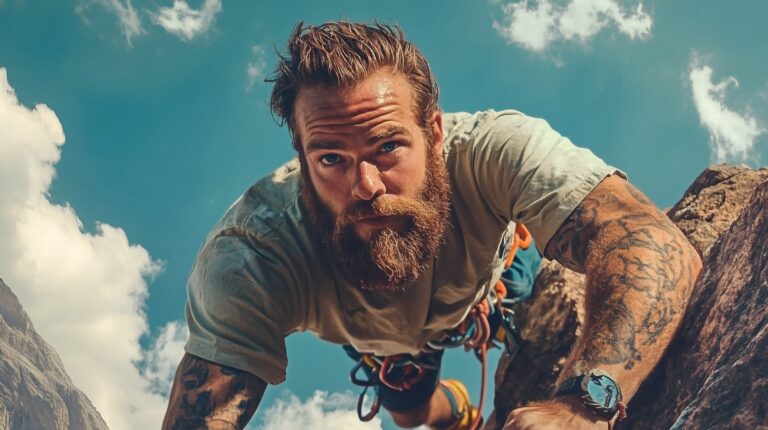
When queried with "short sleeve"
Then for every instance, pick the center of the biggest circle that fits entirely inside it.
(239, 298)
(529, 173)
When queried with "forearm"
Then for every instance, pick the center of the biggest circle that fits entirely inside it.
(639, 270)
(207, 395)
(638, 285)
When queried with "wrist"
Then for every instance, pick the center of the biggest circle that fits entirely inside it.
(573, 404)
(595, 392)
(576, 407)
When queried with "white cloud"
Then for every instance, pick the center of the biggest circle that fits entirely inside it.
(84, 292)
(163, 357)
(127, 17)
(533, 29)
(185, 22)
(732, 135)
(536, 26)
(256, 67)
(320, 412)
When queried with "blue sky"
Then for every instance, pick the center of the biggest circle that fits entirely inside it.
(157, 119)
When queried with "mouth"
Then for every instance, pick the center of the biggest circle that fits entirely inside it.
(379, 222)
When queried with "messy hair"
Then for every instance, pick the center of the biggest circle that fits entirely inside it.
(342, 54)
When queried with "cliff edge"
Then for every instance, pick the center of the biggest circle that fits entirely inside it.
(35, 391)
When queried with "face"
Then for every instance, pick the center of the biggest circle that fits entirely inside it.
(375, 181)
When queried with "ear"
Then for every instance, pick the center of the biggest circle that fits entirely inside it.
(436, 122)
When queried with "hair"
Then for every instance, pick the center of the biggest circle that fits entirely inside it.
(343, 54)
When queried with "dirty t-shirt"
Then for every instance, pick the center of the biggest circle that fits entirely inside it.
(261, 275)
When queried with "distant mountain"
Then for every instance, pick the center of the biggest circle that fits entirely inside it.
(35, 391)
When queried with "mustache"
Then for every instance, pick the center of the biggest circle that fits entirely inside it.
(384, 205)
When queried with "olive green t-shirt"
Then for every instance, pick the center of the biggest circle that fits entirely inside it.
(261, 275)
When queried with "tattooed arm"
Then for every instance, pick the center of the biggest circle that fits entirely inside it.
(210, 396)
(639, 273)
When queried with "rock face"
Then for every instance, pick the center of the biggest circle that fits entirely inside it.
(715, 372)
(713, 202)
(35, 391)
(550, 323)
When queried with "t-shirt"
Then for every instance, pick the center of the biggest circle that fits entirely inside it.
(261, 275)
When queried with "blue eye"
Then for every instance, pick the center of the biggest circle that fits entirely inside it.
(389, 147)
(329, 159)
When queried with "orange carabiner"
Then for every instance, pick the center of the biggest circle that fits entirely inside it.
(524, 236)
(522, 240)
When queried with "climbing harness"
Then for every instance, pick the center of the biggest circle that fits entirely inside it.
(489, 324)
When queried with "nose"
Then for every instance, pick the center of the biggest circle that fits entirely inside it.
(368, 184)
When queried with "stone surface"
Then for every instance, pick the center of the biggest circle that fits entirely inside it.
(550, 324)
(722, 338)
(35, 391)
(715, 374)
(713, 201)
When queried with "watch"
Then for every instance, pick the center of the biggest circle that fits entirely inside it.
(597, 391)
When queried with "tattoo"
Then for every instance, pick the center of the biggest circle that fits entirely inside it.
(196, 407)
(207, 395)
(640, 270)
(569, 246)
(617, 344)
(195, 375)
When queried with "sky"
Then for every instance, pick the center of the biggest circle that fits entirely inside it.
(127, 127)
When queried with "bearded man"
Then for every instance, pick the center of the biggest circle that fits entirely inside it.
(389, 230)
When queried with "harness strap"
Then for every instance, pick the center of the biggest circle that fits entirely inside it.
(456, 413)
(474, 333)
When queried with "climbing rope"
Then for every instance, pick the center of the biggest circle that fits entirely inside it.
(488, 321)
(479, 342)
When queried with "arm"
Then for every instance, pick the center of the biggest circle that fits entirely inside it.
(207, 395)
(640, 270)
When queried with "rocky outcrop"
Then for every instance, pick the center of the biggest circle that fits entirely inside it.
(715, 373)
(713, 202)
(35, 391)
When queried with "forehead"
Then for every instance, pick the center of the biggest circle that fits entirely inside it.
(383, 97)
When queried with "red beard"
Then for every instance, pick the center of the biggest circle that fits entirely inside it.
(390, 259)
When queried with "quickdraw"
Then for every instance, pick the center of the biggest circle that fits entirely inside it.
(490, 321)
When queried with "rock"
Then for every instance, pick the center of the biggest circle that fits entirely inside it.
(723, 335)
(550, 324)
(713, 202)
(35, 391)
(715, 373)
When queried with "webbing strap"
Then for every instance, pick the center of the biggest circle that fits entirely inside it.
(455, 412)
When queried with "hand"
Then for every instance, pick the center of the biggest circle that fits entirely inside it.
(563, 413)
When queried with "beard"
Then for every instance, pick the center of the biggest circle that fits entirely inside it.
(390, 259)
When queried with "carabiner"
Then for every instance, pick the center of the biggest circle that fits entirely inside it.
(513, 341)
(374, 408)
(371, 381)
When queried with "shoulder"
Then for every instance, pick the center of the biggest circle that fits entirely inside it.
(492, 127)
(262, 234)
(509, 136)
(266, 205)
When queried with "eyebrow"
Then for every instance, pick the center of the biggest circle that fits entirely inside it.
(324, 144)
(390, 131)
